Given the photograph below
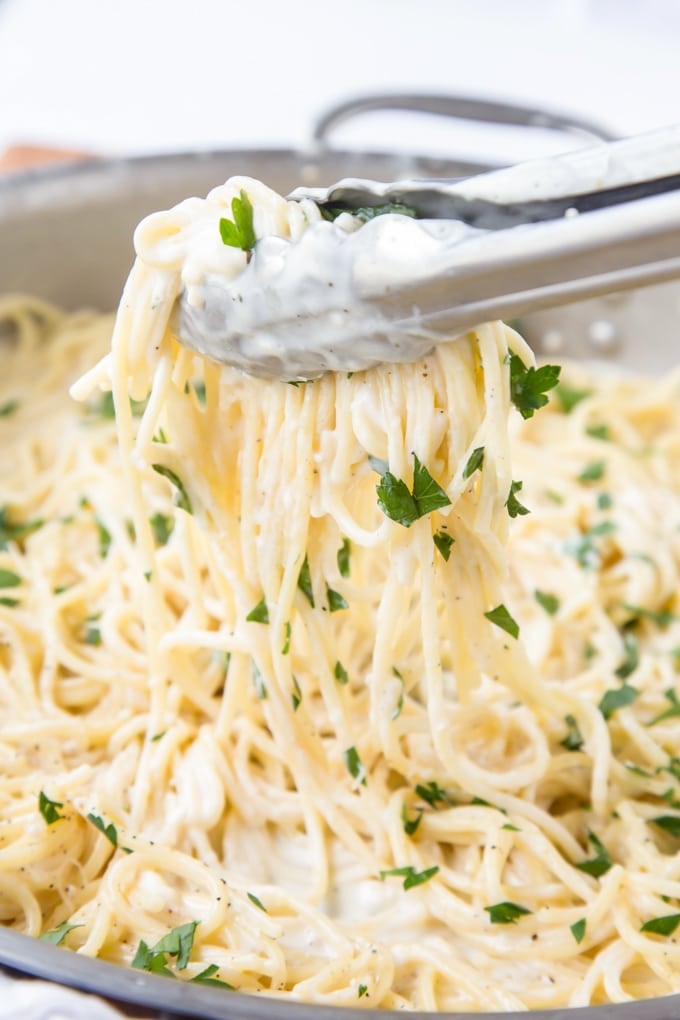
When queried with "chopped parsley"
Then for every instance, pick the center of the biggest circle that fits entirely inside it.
(8, 579)
(528, 386)
(578, 930)
(353, 765)
(569, 396)
(598, 432)
(573, 740)
(547, 601)
(343, 558)
(475, 462)
(55, 936)
(107, 830)
(664, 925)
(617, 697)
(296, 696)
(443, 542)
(673, 709)
(240, 232)
(8, 408)
(206, 977)
(12, 532)
(104, 536)
(411, 877)
(181, 496)
(286, 638)
(260, 688)
(593, 472)
(259, 613)
(335, 600)
(600, 863)
(669, 824)
(583, 546)
(662, 617)
(49, 809)
(361, 991)
(93, 635)
(162, 526)
(514, 507)
(257, 901)
(506, 912)
(304, 581)
(631, 658)
(340, 673)
(178, 943)
(502, 618)
(405, 507)
(432, 793)
(411, 824)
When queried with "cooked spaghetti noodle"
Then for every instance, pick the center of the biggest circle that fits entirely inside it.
(265, 725)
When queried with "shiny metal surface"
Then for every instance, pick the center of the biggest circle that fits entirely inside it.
(65, 234)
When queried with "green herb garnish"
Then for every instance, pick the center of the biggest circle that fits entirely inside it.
(257, 901)
(502, 618)
(335, 600)
(411, 824)
(107, 830)
(8, 579)
(617, 697)
(593, 472)
(304, 582)
(573, 740)
(411, 877)
(162, 526)
(528, 386)
(259, 613)
(55, 936)
(475, 462)
(569, 396)
(49, 809)
(405, 507)
(631, 659)
(578, 930)
(353, 765)
(443, 542)
(664, 925)
(240, 232)
(506, 912)
(206, 978)
(343, 558)
(514, 507)
(547, 601)
(669, 824)
(432, 793)
(10, 532)
(600, 863)
(8, 408)
(178, 943)
(181, 496)
(340, 673)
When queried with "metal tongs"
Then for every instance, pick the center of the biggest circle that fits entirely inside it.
(543, 233)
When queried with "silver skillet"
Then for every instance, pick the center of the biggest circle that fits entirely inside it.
(65, 234)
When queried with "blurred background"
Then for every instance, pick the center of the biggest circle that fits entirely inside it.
(140, 76)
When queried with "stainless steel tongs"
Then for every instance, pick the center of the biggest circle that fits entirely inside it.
(542, 233)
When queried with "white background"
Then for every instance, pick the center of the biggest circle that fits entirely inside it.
(133, 76)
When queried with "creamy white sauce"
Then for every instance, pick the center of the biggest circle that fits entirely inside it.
(302, 303)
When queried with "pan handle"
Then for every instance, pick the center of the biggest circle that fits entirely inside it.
(459, 108)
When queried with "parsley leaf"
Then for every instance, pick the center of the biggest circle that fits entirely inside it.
(361, 991)
(664, 925)
(502, 618)
(104, 538)
(206, 978)
(304, 581)
(673, 709)
(432, 793)
(9, 407)
(600, 863)
(340, 673)
(335, 600)
(427, 493)
(528, 386)
(296, 696)
(8, 579)
(598, 432)
(405, 507)
(55, 936)
(573, 740)
(15, 532)
(411, 877)
(593, 471)
(669, 824)
(506, 912)
(618, 697)
(547, 601)
(514, 507)
(259, 613)
(353, 765)
(49, 809)
(568, 396)
(578, 930)
(661, 617)
(343, 558)
(443, 542)
(475, 462)
(107, 830)
(257, 901)
(411, 824)
(181, 496)
(631, 659)
(258, 680)
(178, 942)
(162, 526)
(240, 232)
